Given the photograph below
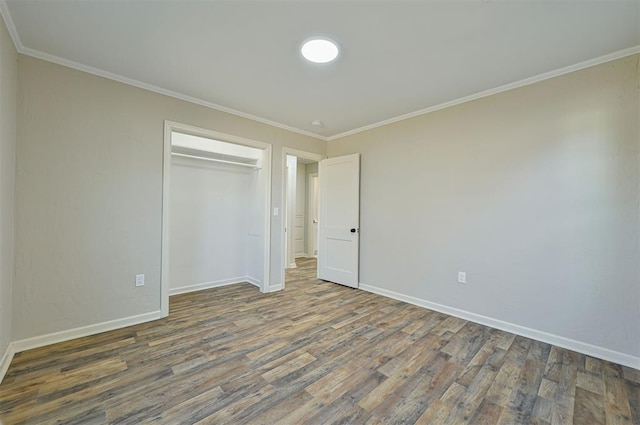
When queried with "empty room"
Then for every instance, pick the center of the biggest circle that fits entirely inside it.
(319, 212)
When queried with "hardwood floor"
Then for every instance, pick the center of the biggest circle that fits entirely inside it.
(316, 353)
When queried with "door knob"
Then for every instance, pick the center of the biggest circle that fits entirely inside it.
(353, 230)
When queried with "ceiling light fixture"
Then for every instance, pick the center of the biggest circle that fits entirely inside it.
(319, 50)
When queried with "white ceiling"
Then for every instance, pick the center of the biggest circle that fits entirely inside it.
(397, 57)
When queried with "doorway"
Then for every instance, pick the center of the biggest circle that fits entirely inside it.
(213, 184)
(300, 221)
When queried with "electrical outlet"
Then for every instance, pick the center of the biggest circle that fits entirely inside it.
(139, 280)
(462, 277)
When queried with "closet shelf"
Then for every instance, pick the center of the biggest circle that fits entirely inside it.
(242, 164)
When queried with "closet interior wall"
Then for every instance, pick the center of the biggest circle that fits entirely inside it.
(216, 219)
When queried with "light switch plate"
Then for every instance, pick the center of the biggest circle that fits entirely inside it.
(462, 277)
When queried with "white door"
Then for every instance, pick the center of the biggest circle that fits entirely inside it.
(339, 233)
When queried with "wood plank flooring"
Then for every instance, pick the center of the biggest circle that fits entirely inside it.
(316, 353)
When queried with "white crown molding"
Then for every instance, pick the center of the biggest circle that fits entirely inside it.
(150, 87)
(525, 82)
(560, 341)
(135, 83)
(95, 71)
(8, 21)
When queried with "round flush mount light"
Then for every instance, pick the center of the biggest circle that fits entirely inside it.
(319, 50)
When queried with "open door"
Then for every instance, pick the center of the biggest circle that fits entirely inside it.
(339, 233)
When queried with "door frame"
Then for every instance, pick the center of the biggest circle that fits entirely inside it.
(283, 204)
(288, 216)
(265, 181)
(310, 200)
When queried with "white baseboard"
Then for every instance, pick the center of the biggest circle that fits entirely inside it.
(276, 288)
(52, 338)
(560, 341)
(213, 284)
(6, 360)
(253, 281)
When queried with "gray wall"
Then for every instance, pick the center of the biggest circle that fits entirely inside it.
(8, 88)
(533, 192)
(89, 194)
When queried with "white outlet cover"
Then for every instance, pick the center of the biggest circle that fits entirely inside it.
(462, 277)
(139, 280)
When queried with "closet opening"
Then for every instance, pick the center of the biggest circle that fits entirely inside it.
(300, 221)
(215, 217)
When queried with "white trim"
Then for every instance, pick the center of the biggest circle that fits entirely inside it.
(276, 288)
(13, 32)
(290, 185)
(11, 27)
(6, 360)
(516, 84)
(129, 81)
(153, 88)
(216, 135)
(55, 337)
(164, 245)
(302, 255)
(254, 282)
(311, 156)
(171, 126)
(560, 341)
(214, 284)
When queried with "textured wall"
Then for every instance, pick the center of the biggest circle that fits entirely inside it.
(89, 194)
(8, 90)
(533, 192)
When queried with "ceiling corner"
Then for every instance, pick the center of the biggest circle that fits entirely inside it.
(8, 21)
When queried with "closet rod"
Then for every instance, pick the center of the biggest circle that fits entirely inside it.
(242, 164)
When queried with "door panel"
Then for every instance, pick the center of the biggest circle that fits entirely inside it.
(339, 216)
